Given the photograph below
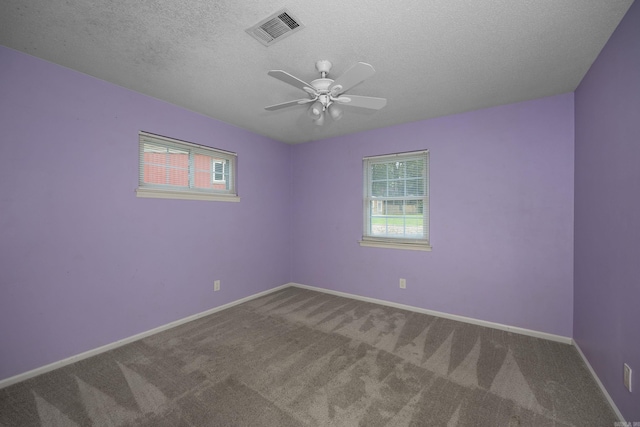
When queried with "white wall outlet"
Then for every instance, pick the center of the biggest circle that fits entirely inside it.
(403, 284)
(216, 285)
(627, 377)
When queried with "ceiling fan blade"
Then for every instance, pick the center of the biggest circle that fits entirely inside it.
(361, 101)
(350, 78)
(292, 80)
(289, 104)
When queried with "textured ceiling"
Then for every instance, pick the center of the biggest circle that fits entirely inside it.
(432, 57)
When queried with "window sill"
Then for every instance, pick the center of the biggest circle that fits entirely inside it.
(155, 193)
(417, 246)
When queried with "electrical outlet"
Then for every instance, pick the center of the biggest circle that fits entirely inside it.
(216, 285)
(627, 377)
(403, 284)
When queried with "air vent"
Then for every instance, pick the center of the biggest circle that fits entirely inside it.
(275, 27)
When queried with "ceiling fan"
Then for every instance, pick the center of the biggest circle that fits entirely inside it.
(328, 95)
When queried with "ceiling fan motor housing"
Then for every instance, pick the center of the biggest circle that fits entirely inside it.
(321, 85)
(323, 95)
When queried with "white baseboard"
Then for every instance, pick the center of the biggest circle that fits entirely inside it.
(55, 365)
(59, 364)
(517, 330)
(502, 327)
(595, 377)
(544, 335)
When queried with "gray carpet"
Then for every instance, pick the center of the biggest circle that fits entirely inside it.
(302, 358)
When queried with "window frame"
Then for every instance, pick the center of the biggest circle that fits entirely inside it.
(370, 240)
(188, 192)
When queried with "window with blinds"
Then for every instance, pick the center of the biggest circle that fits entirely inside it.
(396, 201)
(169, 168)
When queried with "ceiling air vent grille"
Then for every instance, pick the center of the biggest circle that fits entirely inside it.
(275, 27)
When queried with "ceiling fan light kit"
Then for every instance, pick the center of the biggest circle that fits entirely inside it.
(325, 94)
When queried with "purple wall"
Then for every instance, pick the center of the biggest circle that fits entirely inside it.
(83, 262)
(607, 204)
(501, 216)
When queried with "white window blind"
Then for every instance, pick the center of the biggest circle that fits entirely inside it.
(396, 201)
(169, 168)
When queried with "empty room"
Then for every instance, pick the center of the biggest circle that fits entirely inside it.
(241, 213)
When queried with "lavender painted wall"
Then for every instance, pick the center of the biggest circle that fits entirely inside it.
(83, 262)
(501, 216)
(607, 253)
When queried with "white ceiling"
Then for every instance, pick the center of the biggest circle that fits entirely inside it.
(432, 57)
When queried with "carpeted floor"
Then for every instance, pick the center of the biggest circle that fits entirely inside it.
(302, 358)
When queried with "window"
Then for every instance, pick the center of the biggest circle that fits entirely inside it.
(218, 171)
(174, 169)
(396, 201)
